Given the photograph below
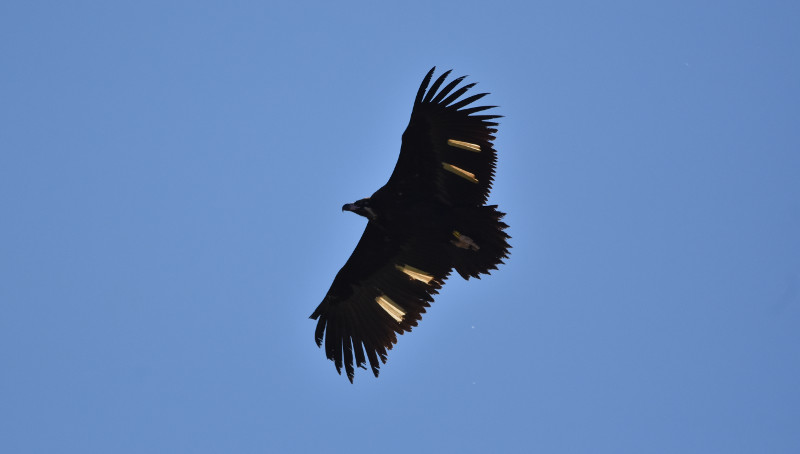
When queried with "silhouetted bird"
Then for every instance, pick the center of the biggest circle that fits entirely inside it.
(429, 218)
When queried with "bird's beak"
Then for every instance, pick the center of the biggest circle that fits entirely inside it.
(349, 207)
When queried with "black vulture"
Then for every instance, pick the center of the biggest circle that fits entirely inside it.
(429, 218)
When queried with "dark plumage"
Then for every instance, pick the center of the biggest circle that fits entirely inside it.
(429, 218)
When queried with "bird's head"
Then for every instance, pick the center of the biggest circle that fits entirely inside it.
(361, 207)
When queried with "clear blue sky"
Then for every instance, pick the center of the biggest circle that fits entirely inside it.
(171, 183)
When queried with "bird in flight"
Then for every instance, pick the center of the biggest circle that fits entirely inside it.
(430, 217)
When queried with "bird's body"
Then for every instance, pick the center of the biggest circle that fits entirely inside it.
(428, 219)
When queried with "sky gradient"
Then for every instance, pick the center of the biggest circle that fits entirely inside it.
(171, 183)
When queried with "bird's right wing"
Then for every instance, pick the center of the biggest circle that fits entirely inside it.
(380, 292)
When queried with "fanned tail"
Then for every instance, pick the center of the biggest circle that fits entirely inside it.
(479, 241)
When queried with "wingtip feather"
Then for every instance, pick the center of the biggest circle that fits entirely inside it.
(424, 85)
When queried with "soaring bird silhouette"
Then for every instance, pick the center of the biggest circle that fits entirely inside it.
(429, 218)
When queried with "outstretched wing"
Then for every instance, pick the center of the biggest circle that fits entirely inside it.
(380, 292)
(447, 150)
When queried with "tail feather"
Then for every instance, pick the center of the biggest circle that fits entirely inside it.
(479, 241)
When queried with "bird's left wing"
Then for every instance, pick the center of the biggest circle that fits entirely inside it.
(447, 150)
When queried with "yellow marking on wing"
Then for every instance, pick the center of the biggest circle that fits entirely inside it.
(391, 307)
(469, 176)
(415, 273)
(464, 145)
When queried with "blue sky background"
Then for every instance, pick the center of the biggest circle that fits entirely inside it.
(171, 183)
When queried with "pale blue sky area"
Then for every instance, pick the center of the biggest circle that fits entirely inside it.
(171, 183)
